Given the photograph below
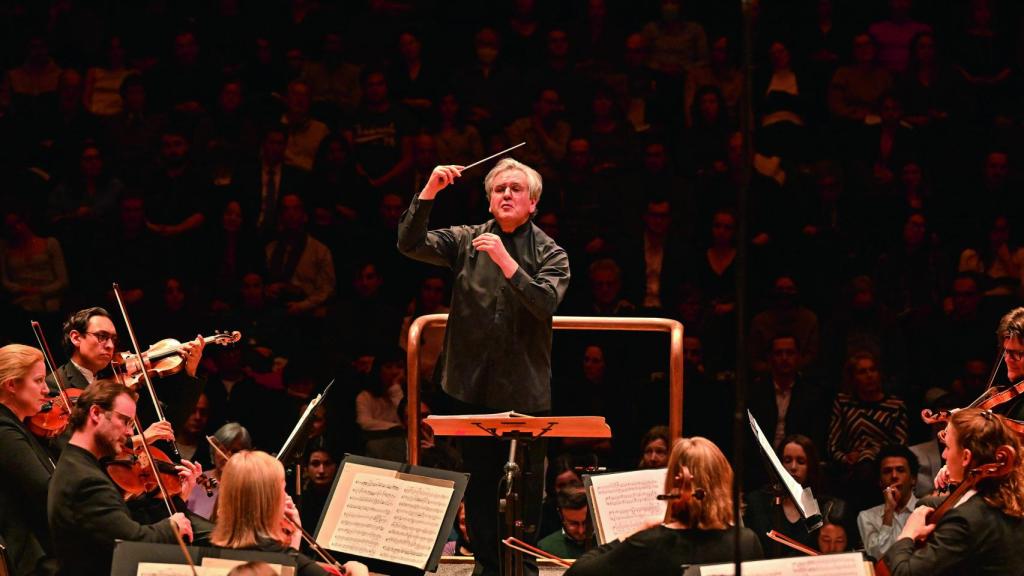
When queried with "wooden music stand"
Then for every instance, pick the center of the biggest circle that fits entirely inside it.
(517, 428)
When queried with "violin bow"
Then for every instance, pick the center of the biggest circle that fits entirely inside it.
(48, 357)
(517, 544)
(142, 368)
(786, 540)
(184, 549)
(152, 464)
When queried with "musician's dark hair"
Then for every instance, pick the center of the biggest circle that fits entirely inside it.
(100, 393)
(1012, 325)
(572, 498)
(898, 451)
(79, 322)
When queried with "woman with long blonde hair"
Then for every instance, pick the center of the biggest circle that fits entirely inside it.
(984, 532)
(24, 463)
(255, 513)
(699, 527)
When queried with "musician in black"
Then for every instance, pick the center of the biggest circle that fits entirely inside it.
(25, 467)
(1011, 333)
(91, 341)
(86, 512)
(984, 532)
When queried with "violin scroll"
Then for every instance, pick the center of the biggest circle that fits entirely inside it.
(936, 417)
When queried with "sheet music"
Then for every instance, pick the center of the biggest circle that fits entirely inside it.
(159, 569)
(211, 563)
(850, 564)
(391, 519)
(627, 501)
(803, 497)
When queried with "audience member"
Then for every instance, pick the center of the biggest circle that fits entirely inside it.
(577, 533)
(881, 525)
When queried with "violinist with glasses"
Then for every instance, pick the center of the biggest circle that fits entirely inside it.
(1011, 333)
(1007, 398)
(25, 467)
(979, 528)
(86, 511)
(91, 339)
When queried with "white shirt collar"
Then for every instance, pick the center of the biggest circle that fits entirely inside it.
(90, 376)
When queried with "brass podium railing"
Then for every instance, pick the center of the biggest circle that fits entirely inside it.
(673, 327)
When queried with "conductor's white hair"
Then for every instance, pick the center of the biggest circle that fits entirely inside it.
(533, 179)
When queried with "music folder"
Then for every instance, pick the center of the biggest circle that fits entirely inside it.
(128, 556)
(392, 516)
(802, 497)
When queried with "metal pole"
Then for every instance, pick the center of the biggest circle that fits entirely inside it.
(747, 130)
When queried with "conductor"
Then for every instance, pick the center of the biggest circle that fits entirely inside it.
(508, 279)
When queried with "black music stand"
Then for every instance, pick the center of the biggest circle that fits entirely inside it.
(518, 430)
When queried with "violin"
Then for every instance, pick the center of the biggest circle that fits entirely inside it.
(161, 359)
(52, 419)
(134, 474)
(989, 399)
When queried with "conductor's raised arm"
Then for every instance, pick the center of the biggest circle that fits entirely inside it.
(440, 178)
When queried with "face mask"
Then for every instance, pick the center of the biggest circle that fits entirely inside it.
(486, 54)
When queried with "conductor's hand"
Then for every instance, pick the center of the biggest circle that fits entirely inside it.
(182, 526)
(440, 178)
(491, 244)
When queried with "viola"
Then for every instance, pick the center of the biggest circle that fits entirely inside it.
(134, 474)
(161, 359)
(53, 418)
(1005, 460)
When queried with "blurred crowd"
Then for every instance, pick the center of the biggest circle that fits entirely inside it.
(243, 166)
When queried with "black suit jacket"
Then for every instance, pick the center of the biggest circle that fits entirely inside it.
(87, 514)
(247, 188)
(178, 393)
(973, 538)
(807, 415)
(634, 270)
(25, 470)
(70, 376)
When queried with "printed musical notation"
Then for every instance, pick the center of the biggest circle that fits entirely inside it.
(625, 502)
(391, 519)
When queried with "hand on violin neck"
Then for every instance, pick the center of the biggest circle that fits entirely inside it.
(189, 473)
(942, 479)
(192, 352)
